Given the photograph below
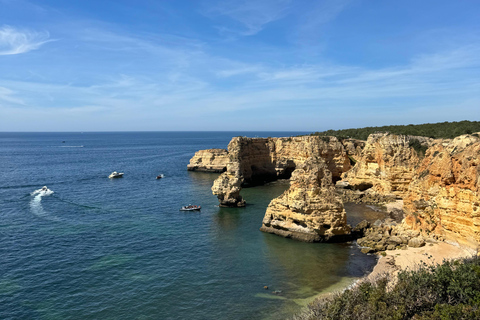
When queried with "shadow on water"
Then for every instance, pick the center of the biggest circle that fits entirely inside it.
(299, 270)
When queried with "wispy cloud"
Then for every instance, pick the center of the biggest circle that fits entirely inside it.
(14, 41)
(318, 95)
(309, 30)
(251, 15)
(8, 95)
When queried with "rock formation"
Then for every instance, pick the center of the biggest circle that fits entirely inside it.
(210, 160)
(387, 164)
(354, 148)
(389, 236)
(254, 161)
(439, 181)
(444, 196)
(309, 210)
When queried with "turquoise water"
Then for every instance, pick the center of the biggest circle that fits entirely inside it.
(120, 249)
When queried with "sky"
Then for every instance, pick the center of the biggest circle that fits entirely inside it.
(231, 65)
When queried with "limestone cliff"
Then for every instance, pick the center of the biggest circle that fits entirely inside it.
(444, 196)
(254, 161)
(210, 160)
(309, 210)
(387, 164)
(354, 148)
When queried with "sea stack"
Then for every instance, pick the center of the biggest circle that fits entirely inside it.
(255, 161)
(309, 210)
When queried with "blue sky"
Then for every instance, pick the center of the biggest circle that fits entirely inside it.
(286, 65)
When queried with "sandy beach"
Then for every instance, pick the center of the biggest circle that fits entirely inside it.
(411, 258)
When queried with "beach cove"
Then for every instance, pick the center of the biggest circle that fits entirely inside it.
(102, 248)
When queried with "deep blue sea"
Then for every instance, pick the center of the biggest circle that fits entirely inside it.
(100, 248)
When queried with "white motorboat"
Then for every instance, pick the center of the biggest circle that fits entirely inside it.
(116, 174)
(191, 208)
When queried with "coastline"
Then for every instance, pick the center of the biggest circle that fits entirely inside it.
(410, 259)
(394, 261)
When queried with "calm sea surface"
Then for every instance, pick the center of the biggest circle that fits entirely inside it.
(100, 248)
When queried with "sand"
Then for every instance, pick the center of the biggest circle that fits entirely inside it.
(411, 258)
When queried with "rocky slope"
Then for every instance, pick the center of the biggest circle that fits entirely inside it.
(210, 160)
(309, 210)
(386, 164)
(444, 196)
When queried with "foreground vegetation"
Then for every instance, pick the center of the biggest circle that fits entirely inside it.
(445, 130)
(448, 291)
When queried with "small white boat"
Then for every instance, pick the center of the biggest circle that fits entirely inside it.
(191, 208)
(160, 176)
(116, 174)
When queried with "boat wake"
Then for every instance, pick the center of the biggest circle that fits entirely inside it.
(71, 146)
(36, 203)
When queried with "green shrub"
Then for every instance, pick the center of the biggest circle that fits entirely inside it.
(434, 130)
(447, 291)
(418, 147)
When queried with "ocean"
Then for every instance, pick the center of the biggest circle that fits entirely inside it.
(100, 248)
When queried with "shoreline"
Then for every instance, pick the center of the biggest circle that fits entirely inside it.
(410, 259)
(394, 261)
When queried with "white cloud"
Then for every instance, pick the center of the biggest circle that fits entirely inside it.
(13, 41)
(253, 15)
(7, 95)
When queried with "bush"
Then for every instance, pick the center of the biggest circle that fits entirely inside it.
(418, 147)
(434, 130)
(448, 291)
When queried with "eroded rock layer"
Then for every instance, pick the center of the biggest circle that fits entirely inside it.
(210, 160)
(309, 210)
(254, 161)
(387, 164)
(443, 197)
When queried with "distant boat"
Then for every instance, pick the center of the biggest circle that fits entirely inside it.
(160, 176)
(190, 208)
(116, 174)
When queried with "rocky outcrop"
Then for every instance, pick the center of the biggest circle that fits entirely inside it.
(309, 210)
(354, 148)
(254, 161)
(386, 235)
(439, 181)
(210, 160)
(444, 196)
(387, 164)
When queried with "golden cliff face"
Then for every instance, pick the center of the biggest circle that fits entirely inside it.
(443, 197)
(210, 160)
(254, 161)
(309, 210)
(441, 190)
(387, 164)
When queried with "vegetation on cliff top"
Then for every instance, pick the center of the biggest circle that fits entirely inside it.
(445, 130)
(447, 291)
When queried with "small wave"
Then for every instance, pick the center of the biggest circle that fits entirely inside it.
(71, 146)
(36, 203)
(42, 192)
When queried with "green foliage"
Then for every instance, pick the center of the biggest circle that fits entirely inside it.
(418, 147)
(352, 160)
(448, 291)
(433, 130)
